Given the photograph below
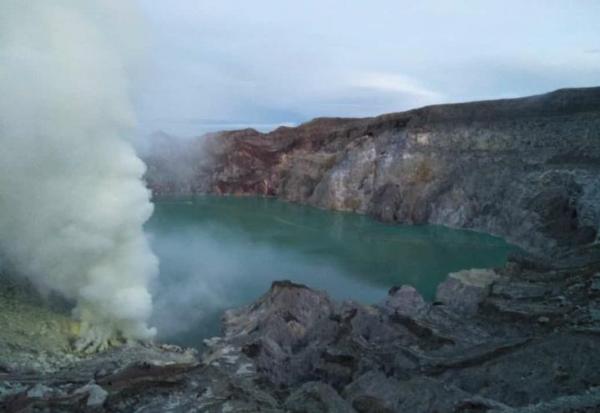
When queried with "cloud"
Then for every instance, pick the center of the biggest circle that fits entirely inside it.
(265, 62)
(395, 83)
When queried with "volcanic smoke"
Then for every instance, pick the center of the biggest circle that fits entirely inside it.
(72, 199)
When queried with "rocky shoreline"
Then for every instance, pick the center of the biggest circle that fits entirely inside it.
(521, 338)
(516, 339)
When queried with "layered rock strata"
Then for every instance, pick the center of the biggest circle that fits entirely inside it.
(526, 169)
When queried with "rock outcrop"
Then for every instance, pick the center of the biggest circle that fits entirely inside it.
(526, 342)
(526, 169)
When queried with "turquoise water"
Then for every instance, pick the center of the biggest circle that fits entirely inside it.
(222, 252)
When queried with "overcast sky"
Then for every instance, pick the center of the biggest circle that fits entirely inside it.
(227, 64)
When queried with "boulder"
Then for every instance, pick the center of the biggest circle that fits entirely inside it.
(463, 291)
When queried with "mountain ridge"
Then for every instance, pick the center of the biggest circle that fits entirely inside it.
(525, 169)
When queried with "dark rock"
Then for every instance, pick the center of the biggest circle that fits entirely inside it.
(405, 300)
(297, 350)
(373, 392)
(516, 290)
(465, 290)
(317, 397)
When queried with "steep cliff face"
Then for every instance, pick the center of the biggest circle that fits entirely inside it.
(526, 169)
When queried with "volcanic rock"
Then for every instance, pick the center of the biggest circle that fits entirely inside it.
(526, 169)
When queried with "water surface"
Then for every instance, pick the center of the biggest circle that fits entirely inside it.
(222, 252)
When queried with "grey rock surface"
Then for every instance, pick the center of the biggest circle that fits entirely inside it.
(465, 290)
(297, 350)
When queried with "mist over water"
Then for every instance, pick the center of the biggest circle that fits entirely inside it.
(72, 202)
(222, 252)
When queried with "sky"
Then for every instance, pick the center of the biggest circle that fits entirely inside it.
(214, 65)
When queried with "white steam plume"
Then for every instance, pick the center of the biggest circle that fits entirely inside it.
(72, 202)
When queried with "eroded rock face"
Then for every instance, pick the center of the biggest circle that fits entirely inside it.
(526, 169)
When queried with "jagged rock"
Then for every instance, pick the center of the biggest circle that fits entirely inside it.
(38, 391)
(96, 395)
(373, 391)
(405, 300)
(317, 397)
(588, 402)
(463, 291)
(296, 348)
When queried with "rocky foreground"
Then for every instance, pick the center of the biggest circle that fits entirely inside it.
(522, 338)
(518, 339)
